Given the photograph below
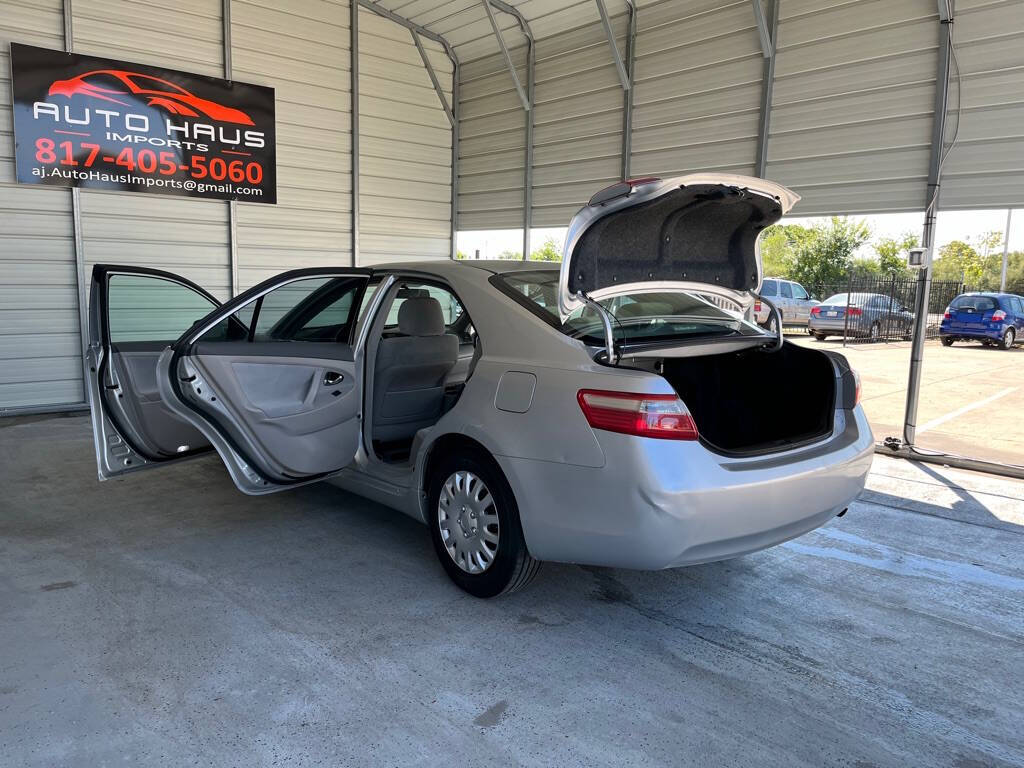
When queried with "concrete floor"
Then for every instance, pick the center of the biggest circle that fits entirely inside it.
(166, 619)
(972, 396)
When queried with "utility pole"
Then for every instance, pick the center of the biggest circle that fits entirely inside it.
(924, 278)
(1006, 248)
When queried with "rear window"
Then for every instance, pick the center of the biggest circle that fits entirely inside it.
(974, 303)
(639, 317)
(856, 299)
(769, 288)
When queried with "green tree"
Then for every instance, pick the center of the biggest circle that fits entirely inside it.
(825, 256)
(892, 254)
(513, 255)
(460, 255)
(550, 251)
(865, 266)
(958, 261)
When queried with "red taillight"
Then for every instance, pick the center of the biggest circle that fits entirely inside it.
(856, 311)
(998, 316)
(815, 311)
(757, 306)
(856, 378)
(946, 315)
(661, 416)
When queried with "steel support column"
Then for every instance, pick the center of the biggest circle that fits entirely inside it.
(931, 212)
(417, 32)
(232, 206)
(527, 99)
(1006, 248)
(627, 94)
(354, 76)
(768, 28)
(79, 242)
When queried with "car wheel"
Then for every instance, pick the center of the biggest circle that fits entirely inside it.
(474, 525)
(773, 324)
(947, 341)
(819, 336)
(875, 333)
(1009, 338)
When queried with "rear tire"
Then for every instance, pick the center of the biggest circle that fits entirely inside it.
(875, 332)
(947, 341)
(1009, 337)
(505, 568)
(819, 336)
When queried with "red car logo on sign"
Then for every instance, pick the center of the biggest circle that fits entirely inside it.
(109, 84)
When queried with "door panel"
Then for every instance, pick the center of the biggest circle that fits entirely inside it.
(281, 405)
(136, 313)
(298, 411)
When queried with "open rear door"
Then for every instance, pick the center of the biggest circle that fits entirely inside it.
(281, 402)
(135, 314)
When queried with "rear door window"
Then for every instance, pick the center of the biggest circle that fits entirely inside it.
(787, 291)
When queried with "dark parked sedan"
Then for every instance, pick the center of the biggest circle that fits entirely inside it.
(871, 315)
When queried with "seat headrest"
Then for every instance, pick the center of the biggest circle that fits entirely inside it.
(421, 316)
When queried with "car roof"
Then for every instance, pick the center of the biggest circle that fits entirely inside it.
(494, 266)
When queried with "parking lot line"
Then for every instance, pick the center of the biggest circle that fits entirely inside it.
(961, 411)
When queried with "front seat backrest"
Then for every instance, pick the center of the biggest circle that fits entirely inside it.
(408, 383)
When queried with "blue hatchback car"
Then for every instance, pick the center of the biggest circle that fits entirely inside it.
(991, 318)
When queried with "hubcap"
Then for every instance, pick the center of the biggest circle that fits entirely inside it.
(1008, 339)
(874, 331)
(468, 521)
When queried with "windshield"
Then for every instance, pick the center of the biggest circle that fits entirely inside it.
(639, 317)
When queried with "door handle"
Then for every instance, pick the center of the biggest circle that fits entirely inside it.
(332, 377)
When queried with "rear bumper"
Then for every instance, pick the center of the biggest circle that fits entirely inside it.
(662, 504)
(838, 325)
(995, 334)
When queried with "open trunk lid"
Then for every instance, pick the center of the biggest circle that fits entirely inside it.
(695, 233)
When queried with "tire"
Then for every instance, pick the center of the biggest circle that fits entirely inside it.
(819, 336)
(772, 325)
(875, 332)
(509, 566)
(947, 341)
(1009, 337)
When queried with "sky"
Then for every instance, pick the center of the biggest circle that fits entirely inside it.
(952, 225)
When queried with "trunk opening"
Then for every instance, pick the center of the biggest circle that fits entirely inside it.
(752, 402)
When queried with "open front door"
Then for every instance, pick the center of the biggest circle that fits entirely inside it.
(281, 401)
(135, 314)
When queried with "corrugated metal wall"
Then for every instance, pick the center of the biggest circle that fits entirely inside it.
(405, 146)
(302, 49)
(39, 342)
(854, 104)
(492, 144)
(187, 237)
(986, 168)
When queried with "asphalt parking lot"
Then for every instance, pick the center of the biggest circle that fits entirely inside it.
(166, 619)
(972, 396)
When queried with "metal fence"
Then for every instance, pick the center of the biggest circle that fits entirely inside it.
(871, 309)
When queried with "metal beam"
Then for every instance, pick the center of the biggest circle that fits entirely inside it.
(767, 82)
(354, 83)
(232, 206)
(627, 95)
(763, 29)
(433, 77)
(531, 68)
(508, 58)
(1006, 248)
(79, 241)
(931, 211)
(421, 31)
(624, 76)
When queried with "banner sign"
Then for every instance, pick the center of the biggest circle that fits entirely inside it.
(80, 121)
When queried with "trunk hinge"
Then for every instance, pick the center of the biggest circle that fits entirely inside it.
(606, 320)
(777, 344)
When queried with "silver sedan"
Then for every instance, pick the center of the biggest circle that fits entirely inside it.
(596, 413)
